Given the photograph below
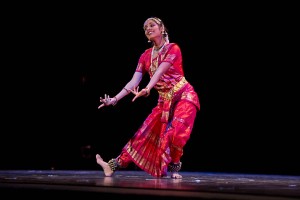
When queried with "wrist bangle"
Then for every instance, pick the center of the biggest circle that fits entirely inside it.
(116, 101)
(147, 91)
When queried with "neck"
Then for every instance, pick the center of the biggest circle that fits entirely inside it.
(159, 45)
(158, 48)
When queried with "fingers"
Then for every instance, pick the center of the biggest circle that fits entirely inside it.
(139, 94)
(134, 98)
(132, 91)
(103, 100)
(106, 101)
(101, 106)
(135, 90)
(106, 98)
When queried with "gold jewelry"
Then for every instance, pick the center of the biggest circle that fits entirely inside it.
(172, 167)
(152, 67)
(147, 91)
(113, 164)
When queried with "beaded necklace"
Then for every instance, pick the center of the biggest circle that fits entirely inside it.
(152, 67)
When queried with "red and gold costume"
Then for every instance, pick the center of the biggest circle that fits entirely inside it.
(162, 136)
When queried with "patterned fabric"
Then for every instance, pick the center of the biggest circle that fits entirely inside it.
(162, 136)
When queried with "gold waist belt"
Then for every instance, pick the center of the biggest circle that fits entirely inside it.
(169, 95)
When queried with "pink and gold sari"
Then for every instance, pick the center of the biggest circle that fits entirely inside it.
(162, 136)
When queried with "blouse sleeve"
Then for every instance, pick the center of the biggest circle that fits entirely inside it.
(173, 54)
(141, 64)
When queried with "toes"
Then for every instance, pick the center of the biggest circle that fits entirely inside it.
(98, 157)
(176, 176)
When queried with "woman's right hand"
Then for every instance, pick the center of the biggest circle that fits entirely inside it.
(107, 101)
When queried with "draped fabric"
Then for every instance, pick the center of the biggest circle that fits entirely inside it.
(162, 136)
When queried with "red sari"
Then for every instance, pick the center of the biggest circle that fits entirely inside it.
(162, 136)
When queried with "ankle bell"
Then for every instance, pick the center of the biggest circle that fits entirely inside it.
(113, 164)
(172, 167)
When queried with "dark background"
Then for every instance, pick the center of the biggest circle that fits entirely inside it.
(58, 60)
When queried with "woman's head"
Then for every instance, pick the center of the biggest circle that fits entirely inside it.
(155, 29)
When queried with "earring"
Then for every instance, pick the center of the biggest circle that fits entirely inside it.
(149, 41)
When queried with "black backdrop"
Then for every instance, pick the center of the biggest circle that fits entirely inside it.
(59, 61)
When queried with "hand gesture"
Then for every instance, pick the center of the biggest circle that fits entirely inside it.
(107, 101)
(137, 93)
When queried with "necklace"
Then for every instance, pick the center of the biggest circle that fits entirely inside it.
(152, 66)
(157, 49)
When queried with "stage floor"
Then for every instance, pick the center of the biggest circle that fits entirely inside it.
(139, 185)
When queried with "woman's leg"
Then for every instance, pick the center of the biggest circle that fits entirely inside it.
(179, 133)
(114, 164)
(106, 168)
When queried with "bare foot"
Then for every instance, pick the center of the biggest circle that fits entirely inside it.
(176, 175)
(107, 170)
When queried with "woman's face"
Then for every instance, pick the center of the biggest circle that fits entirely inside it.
(152, 29)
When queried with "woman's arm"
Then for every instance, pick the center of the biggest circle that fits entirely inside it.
(163, 67)
(133, 83)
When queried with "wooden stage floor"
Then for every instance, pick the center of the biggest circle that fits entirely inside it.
(139, 185)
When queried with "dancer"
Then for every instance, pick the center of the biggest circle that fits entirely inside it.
(157, 145)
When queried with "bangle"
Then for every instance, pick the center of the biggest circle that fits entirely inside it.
(116, 101)
(147, 91)
(128, 91)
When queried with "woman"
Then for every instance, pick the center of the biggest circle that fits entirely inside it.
(157, 146)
